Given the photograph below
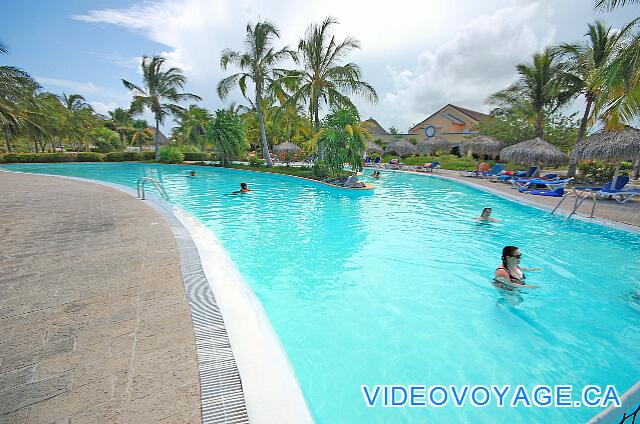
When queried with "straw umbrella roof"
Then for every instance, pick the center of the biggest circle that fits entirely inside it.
(534, 151)
(286, 147)
(482, 145)
(374, 148)
(402, 147)
(609, 145)
(424, 148)
(438, 143)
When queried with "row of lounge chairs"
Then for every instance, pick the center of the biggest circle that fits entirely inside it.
(394, 164)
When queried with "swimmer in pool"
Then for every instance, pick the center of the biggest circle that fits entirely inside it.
(243, 189)
(192, 174)
(486, 216)
(509, 275)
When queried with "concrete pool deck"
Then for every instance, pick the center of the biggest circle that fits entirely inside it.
(94, 321)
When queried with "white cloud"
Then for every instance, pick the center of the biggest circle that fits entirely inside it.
(103, 108)
(477, 61)
(418, 54)
(75, 86)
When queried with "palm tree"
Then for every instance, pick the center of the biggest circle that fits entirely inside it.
(74, 102)
(257, 63)
(16, 99)
(192, 125)
(539, 92)
(140, 133)
(121, 122)
(160, 93)
(609, 5)
(226, 132)
(323, 77)
(585, 63)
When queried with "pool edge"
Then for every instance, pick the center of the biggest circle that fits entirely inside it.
(270, 387)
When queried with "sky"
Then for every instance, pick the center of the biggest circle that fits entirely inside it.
(418, 54)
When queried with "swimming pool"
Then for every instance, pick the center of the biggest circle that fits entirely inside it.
(394, 287)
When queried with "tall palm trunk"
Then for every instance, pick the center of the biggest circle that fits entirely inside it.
(157, 141)
(121, 134)
(539, 125)
(263, 134)
(7, 139)
(316, 126)
(573, 164)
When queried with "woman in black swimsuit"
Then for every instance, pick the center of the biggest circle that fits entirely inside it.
(509, 275)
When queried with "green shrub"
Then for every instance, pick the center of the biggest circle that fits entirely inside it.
(195, 156)
(89, 157)
(131, 156)
(189, 148)
(114, 157)
(171, 155)
(36, 157)
(601, 171)
(256, 161)
(148, 155)
(319, 170)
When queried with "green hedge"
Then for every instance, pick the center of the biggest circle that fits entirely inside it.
(171, 155)
(36, 157)
(89, 157)
(122, 156)
(196, 156)
(601, 171)
(75, 157)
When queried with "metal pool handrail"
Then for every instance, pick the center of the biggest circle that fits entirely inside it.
(156, 184)
(629, 409)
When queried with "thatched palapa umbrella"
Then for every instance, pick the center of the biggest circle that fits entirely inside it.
(374, 148)
(423, 148)
(286, 147)
(436, 144)
(611, 146)
(535, 151)
(402, 147)
(482, 145)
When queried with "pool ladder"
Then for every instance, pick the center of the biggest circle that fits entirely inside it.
(156, 184)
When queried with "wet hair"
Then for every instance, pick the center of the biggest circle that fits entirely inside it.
(506, 252)
(243, 185)
(485, 210)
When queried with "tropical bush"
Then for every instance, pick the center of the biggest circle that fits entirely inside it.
(319, 170)
(196, 156)
(343, 140)
(89, 157)
(171, 155)
(37, 157)
(601, 171)
(227, 134)
(255, 161)
(123, 156)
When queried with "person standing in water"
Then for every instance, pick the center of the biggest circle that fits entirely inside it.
(243, 189)
(486, 216)
(509, 275)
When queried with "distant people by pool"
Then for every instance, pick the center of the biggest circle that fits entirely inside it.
(509, 275)
(486, 216)
(376, 174)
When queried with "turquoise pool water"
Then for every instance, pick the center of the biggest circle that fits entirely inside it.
(394, 287)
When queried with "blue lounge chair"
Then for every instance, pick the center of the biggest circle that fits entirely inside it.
(621, 181)
(520, 174)
(549, 184)
(495, 171)
(431, 167)
(621, 196)
(557, 192)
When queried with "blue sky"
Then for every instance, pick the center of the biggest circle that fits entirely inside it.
(419, 54)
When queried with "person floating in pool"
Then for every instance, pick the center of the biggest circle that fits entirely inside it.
(243, 189)
(192, 174)
(486, 216)
(376, 174)
(509, 275)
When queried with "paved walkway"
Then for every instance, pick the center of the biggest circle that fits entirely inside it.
(94, 322)
(627, 213)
